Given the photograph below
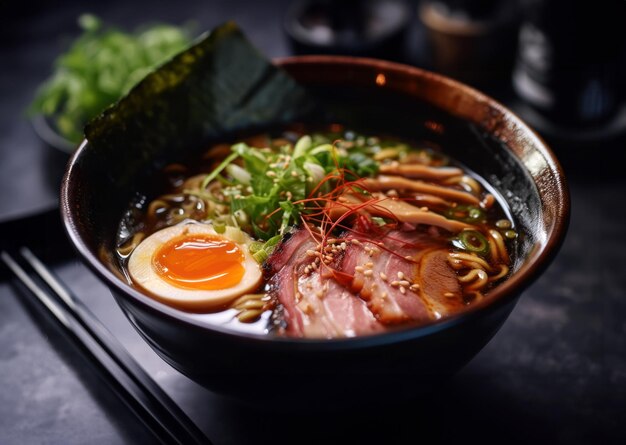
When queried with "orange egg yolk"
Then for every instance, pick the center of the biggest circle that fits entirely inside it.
(199, 262)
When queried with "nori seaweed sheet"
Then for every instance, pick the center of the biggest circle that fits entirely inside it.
(218, 86)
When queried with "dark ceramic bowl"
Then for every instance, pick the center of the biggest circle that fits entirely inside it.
(383, 97)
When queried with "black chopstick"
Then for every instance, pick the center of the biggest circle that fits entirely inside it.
(137, 389)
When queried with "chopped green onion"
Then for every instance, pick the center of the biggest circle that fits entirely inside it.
(211, 176)
(322, 148)
(303, 144)
(272, 242)
(472, 241)
(466, 213)
(379, 221)
(239, 174)
(266, 189)
(255, 246)
(263, 250)
(316, 171)
(260, 256)
(240, 217)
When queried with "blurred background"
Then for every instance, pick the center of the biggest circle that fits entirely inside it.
(559, 64)
(555, 373)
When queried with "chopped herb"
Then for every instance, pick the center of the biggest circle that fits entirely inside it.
(261, 251)
(266, 187)
(379, 221)
(102, 65)
(466, 213)
(472, 241)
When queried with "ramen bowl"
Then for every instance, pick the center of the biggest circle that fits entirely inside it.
(384, 97)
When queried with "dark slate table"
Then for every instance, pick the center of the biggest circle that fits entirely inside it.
(556, 372)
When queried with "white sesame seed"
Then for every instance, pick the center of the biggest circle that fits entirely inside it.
(383, 276)
(401, 275)
(404, 283)
(271, 174)
(359, 269)
(356, 242)
(403, 290)
(368, 273)
(369, 265)
(311, 252)
(448, 295)
(395, 283)
(414, 287)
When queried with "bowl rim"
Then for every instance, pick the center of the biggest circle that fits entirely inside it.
(505, 293)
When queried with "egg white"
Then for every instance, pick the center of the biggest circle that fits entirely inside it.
(144, 275)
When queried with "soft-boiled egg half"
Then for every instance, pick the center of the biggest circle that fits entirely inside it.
(192, 267)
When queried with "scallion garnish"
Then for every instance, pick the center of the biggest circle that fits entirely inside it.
(472, 241)
(265, 188)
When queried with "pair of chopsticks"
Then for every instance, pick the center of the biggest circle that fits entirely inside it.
(136, 388)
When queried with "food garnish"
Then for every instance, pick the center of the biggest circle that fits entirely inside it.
(100, 66)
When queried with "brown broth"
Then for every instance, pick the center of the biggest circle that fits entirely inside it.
(169, 204)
